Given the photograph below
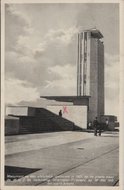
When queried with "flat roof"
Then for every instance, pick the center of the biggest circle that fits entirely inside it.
(65, 98)
(11, 117)
(95, 33)
(109, 115)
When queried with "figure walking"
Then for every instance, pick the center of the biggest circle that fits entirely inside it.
(90, 125)
(106, 123)
(95, 125)
(100, 129)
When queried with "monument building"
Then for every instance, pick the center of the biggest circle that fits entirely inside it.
(77, 110)
(90, 70)
(90, 75)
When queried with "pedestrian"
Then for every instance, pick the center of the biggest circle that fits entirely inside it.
(90, 125)
(60, 113)
(99, 128)
(106, 123)
(95, 125)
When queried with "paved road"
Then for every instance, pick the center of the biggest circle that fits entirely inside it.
(63, 158)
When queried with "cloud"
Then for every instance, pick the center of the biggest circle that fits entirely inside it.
(18, 12)
(65, 72)
(110, 58)
(31, 54)
(62, 35)
(112, 107)
(17, 24)
(19, 66)
(55, 40)
(112, 71)
(112, 84)
(64, 82)
(17, 90)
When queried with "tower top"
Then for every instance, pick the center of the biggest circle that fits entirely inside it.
(94, 33)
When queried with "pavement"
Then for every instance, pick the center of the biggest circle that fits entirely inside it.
(62, 159)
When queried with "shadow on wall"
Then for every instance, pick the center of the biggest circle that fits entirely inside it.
(43, 121)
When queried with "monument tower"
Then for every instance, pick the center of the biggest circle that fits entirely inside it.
(90, 70)
(90, 80)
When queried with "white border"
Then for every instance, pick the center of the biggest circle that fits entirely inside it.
(121, 168)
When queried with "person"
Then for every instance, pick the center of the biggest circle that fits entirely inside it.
(106, 123)
(95, 125)
(100, 129)
(60, 113)
(90, 125)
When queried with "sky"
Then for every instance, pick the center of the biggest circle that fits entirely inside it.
(41, 50)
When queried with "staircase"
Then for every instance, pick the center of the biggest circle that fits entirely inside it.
(24, 130)
(45, 121)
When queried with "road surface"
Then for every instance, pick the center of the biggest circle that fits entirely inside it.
(62, 158)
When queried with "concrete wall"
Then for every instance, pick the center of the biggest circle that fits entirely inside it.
(84, 102)
(17, 110)
(93, 109)
(32, 111)
(76, 114)
(21, 110)
(11, 126)
(100, 78)
(88, 65)
(96, 102)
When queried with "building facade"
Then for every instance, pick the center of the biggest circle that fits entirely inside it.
(90, 70)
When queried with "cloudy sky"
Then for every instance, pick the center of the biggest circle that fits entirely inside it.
(41, 50)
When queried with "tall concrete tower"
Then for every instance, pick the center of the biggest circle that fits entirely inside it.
(90, 70)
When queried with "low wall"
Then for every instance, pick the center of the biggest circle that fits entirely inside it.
(11, 126)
